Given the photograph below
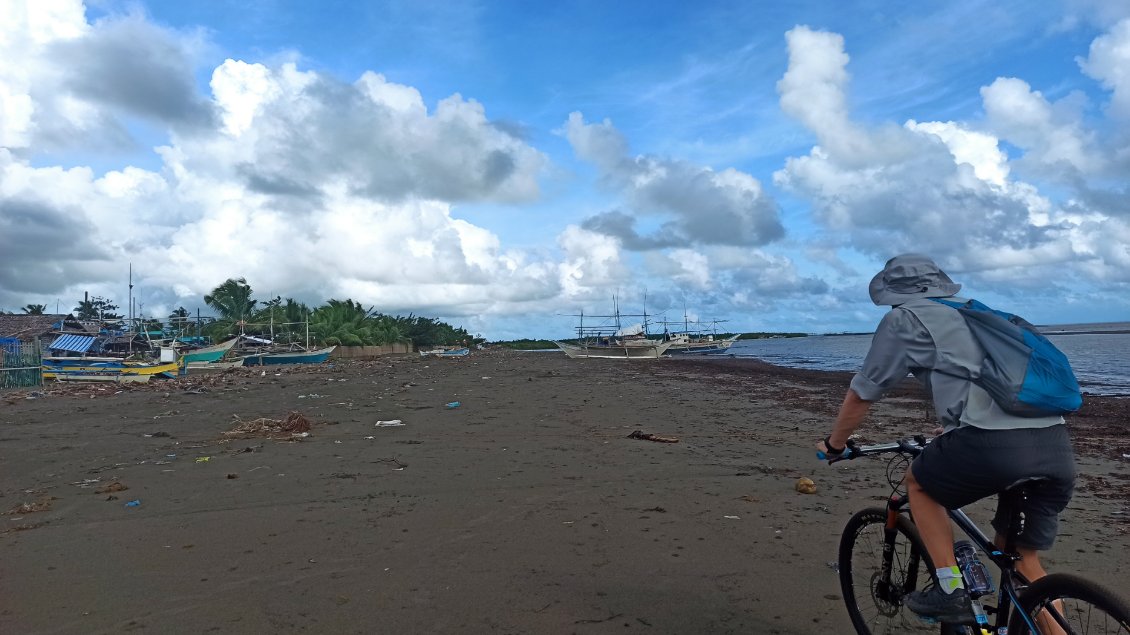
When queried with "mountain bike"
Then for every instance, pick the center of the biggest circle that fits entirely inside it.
(882, 559)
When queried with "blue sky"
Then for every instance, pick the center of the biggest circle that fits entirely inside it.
(504, 164)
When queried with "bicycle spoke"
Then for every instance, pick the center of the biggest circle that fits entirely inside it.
(878, 603)
(1073, 605)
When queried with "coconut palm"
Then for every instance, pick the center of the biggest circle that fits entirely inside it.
(34, 309)
(96, 308)
(232, 301)
(342, 322)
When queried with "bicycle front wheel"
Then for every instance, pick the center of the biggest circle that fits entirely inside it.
(873, 596)
(1074, 604)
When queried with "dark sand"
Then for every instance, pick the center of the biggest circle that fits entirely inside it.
(527, 509)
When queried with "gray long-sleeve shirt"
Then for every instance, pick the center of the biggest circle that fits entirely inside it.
(932, 342)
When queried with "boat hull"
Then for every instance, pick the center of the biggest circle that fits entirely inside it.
(62, 369)
(108, 378)
(209, 353)
(458, 352)
(299, 357)
(651, 350)
(702, 348)
(205, 367)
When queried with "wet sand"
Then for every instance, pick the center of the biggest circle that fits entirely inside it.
(526, 509)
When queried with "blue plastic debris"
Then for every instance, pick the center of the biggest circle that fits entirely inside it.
(134, 503)
(454, 404)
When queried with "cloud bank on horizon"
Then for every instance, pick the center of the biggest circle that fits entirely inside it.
(126, 140)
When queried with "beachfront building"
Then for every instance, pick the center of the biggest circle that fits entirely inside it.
(44, 328)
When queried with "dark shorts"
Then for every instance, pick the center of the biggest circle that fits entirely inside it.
(965, 465)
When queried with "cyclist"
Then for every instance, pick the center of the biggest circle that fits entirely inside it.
(981, 451)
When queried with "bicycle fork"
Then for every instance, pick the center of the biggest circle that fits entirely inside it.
(887, 591)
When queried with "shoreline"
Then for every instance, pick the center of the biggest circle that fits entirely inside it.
(529, 507)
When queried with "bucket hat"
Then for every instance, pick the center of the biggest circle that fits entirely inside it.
(910, 277)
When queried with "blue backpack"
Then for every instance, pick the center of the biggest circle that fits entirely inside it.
(1023, 372)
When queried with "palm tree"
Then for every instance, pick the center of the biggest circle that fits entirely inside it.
(34, 309)
(286, 317)
(179, 320)
(232, 301)
(342, 322)
(96, 308)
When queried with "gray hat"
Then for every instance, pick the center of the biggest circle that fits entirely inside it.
(910, 277)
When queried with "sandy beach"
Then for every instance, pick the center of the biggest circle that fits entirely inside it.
(527, 508)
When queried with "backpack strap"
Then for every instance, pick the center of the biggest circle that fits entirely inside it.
(951, 303)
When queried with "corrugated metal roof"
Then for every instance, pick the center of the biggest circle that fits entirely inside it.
(72, 343)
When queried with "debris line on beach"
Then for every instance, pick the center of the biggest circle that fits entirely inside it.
(294, 423)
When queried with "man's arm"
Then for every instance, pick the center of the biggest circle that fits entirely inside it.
(852, 412)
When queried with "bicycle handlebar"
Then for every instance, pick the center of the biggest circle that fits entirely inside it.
(912, 446)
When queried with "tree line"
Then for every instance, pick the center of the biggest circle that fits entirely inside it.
(237, 312)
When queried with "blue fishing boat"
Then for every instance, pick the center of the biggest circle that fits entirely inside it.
(293, 357)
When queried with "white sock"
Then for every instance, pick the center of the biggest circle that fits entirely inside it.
(949, 579)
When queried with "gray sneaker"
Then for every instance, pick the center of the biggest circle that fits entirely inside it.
(950, 608)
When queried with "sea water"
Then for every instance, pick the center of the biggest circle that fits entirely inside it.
(1099, 354)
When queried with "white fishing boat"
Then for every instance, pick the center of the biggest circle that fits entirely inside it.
(696, 337)
(691, 343)
(639, 349)
(446, 352)
(623, 343)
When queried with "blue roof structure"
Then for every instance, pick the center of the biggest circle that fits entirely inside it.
(72, 343)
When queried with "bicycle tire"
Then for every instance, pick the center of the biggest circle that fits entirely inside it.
(882, 611)
(1082, 602)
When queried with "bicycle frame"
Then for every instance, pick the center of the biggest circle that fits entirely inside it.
(1010, 578)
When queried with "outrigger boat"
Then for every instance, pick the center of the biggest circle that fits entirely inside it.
(696, 341)
(203, 367)
(105, 369)
(293, 357)
(613, 342)
(689, 344)
(209, 353)
(623, 349)
(446, 352)
(117, 379)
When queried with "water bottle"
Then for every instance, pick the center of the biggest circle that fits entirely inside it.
(977, 579)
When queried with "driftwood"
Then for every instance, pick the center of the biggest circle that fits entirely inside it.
(644, 436)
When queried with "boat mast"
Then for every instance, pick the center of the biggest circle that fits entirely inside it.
(131, 308)
(645, 333)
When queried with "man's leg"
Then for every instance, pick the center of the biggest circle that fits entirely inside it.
(933, 523)
(947, 601)
(1029, 566)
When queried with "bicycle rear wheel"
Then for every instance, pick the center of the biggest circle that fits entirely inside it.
(874, 601)
(1086, 607)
